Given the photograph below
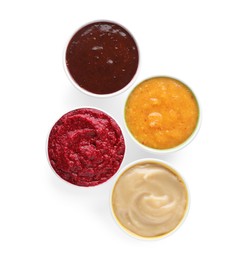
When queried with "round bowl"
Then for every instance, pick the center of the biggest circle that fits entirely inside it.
(85, 147)
(158, 122)
(105, 63)
(158, 195)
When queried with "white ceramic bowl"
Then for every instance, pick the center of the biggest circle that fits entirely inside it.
(165, 165)
(178, 147)
(74, 83)
(47, 153)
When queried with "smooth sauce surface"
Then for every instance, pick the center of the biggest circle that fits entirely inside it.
(168, 113)
(102, 57)
(149, 200)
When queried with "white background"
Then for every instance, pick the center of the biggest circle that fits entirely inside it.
(42, 217)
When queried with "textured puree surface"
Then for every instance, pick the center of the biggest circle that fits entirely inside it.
(149, 200)
(168, 113)
(102, 57)
(86, 147)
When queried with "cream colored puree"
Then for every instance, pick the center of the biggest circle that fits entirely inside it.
(149, 200)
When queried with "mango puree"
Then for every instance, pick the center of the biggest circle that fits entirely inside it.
(161, 113)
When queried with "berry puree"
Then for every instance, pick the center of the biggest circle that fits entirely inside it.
(86, 147)
(102, 57)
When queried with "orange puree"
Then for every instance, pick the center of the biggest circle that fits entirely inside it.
(161, 112)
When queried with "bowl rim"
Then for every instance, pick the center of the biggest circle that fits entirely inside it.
(185, 142)
(47, 154)
(165, 165)
(73, 82)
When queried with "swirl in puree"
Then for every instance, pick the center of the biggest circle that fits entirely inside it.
(149, 199)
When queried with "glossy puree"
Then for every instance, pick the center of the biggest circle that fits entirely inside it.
(161, 113)
(149, 199)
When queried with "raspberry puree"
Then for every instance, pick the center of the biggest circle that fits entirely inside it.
(86, 147)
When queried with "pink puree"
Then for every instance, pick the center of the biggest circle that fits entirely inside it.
(86, 147)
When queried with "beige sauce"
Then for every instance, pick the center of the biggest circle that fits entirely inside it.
(149, 200)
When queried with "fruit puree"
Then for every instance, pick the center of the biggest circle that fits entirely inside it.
(86, 147)
(168, 113)
(149, 199)
(102, 57)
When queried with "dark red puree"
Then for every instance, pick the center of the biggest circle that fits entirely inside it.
(86, 147)
(102, 57)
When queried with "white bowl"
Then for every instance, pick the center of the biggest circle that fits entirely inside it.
(47, 154)
(178, 147)
(165, 165)
(74, 83)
